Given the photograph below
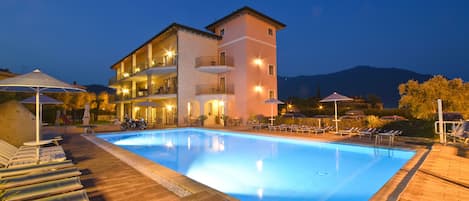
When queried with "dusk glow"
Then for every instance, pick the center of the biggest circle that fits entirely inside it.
(80, 40)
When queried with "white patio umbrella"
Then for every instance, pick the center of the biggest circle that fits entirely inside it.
(36, 82)
(147, 104)
(334, 97)
(272, 102)
(43, 99)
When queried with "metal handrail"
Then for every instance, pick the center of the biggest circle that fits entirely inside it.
(214, 89)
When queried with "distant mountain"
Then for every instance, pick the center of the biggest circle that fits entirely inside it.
(357, 81)
(96, 88)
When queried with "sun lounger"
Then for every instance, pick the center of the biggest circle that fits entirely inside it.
(367, 132)
(42, 189)
(29, 155)
(28, 179)
(14, 171)
(79, 195)
(347, 132)
(390, 134)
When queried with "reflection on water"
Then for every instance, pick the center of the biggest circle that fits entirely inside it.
(262, 168)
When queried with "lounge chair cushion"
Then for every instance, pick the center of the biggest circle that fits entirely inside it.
(22, 180)
(42, 189)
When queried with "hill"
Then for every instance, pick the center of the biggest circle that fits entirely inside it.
(96, 88)
(357, 81)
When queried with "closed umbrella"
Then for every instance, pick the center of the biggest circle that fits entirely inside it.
(334, 97)
(86, 115)
(272, 102)
(43, 99)
(36, 82)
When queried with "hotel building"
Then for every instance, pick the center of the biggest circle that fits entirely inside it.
(182, 72)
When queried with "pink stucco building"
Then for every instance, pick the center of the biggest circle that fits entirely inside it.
(182, 72)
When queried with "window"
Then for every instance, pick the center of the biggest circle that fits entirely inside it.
(271, 94)
(270, 32)
(271, 69)
(222, 32)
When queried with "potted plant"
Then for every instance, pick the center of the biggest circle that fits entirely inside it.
(201, 119)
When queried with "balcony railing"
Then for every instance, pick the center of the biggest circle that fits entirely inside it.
(214, 89)
(214, 61)
(163, 61)
(112, 81)
(165, 90)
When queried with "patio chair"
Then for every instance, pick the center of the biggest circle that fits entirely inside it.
(41, 190)
(79, 195)
(14, 171)
(39, 177)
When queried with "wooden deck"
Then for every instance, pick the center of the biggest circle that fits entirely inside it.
(107, 178)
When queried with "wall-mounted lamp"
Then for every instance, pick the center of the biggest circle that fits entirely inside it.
(258, 62)
(169, 53)
(125, 91)
(258, 88)
(126, 74)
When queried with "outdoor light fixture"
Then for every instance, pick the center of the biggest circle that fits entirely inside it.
(125, 91)
(258, 88)
(169, 53)
(169, 107)
(126, 74)
(258, 62)
(137, 69)
(321, 107)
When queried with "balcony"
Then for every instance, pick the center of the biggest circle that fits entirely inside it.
(214, 64)
(113, 82)
(214, 89)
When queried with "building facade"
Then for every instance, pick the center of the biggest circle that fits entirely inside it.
(183, 73)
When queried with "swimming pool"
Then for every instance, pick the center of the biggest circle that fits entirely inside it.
(252, 167)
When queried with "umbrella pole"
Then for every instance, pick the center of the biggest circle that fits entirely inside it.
(336, 122)
(37, 115)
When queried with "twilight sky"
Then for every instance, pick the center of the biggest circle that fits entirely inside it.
(79, 40)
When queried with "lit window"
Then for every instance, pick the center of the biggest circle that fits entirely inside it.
(222, 32)
(271, 69)
(271, 94)
(270, 32)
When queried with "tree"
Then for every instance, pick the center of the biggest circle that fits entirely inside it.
(420, 99)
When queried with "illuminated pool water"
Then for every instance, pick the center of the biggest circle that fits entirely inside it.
(268, 168)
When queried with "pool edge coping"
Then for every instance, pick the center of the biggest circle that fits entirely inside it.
(385, 192)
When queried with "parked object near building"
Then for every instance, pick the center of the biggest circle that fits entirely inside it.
(228, 70)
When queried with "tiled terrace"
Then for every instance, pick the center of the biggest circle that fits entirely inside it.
(443, 173)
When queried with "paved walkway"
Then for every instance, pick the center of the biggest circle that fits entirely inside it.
(443, 176)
